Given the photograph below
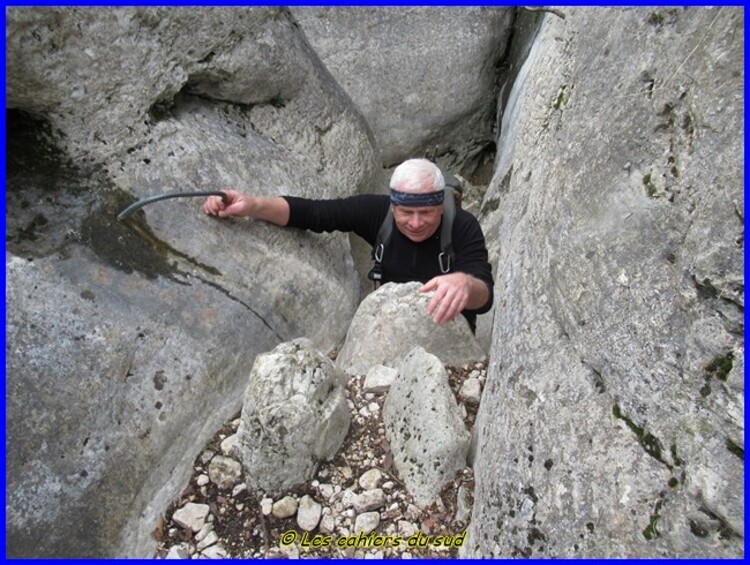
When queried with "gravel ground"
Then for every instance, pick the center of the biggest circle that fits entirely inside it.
(243, 523)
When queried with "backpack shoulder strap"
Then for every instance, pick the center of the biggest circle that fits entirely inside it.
(446, 257)
(381, 240)
(384, 233)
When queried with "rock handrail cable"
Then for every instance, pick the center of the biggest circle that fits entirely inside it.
(148, 200)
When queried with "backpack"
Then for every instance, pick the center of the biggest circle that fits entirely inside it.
(446, 256)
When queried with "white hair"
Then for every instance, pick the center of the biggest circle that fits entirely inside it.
(417, 176)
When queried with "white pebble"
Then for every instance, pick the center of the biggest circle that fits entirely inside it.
(285, 507)
(370, 479)
(367, 522)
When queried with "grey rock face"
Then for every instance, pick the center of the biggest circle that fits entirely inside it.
(115, 388)
(426, 433)
(294, 415)
(613, 418)
(611, 421)
(393, 320)
(118, 82)
(421, 77)
(135, 342)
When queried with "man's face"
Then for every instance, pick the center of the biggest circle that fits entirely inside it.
(417, 223)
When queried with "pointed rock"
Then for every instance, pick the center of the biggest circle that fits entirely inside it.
(427, 435)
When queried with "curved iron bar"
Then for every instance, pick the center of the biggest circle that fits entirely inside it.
(143, 201)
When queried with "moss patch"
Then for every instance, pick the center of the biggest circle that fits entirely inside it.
(562, 98)
(127, 246)
(735, 449)
(650, 443)
(706, 290)
(720, 367)
(651, 531)
(651, 189)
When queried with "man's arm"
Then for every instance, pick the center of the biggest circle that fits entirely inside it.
(454, 293)
(360, 214)
(271, 209)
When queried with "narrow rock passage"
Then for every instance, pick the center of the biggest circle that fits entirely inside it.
(355, 506)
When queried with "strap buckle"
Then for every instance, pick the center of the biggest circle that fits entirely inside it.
(444, 268)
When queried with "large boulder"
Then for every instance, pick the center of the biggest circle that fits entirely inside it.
(119, 82)
(612, 418)
(393, 320)
(294, 415)
(423, 78)
(130, 342)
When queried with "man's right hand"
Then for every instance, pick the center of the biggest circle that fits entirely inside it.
(236, 205)
(274, 209)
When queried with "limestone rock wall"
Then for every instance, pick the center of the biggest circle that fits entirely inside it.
(612, 420)
(424, 78)
(130, 342)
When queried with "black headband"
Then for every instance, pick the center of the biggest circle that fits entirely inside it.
(417, 200)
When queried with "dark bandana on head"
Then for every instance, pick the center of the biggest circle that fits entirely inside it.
(417, 200)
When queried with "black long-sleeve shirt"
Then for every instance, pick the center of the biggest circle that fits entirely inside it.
(403, 259)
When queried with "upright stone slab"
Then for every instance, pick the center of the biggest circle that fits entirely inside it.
(427, 435)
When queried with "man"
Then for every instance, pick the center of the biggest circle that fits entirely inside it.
(412, 252)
